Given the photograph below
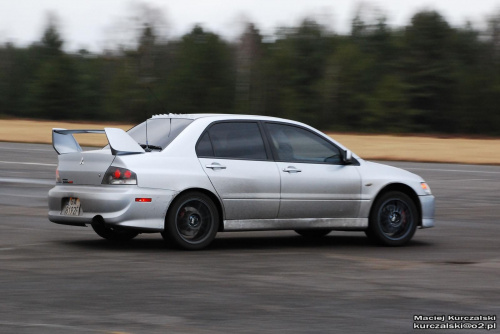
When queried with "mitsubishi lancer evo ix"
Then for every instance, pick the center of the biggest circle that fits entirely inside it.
(191, 176)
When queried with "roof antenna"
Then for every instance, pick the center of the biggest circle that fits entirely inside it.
(157, 100)
(164, 110)
(147, 142)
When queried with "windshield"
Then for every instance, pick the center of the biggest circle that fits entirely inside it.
(160, 131)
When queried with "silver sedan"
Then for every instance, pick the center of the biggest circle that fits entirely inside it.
(191, 176)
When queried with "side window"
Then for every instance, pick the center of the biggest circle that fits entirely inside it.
(237, 140)
(294, 144)
(204, 147)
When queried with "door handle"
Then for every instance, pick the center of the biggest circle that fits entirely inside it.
(291, 169)
(215, 165)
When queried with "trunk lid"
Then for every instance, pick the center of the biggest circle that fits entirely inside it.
(84, 168)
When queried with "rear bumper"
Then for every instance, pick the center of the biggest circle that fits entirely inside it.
(115, 204)
(428, 205)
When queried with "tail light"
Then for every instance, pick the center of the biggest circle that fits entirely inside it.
(58, 177)
(117, 175)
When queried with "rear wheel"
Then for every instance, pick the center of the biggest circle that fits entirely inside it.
(192, 221)
(393, 219)
(313, 234)
(113, 234)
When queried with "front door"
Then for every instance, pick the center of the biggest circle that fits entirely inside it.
(314, 181)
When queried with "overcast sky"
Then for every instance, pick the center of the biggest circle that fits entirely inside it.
(96, 24)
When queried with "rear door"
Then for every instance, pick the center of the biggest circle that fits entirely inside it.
(314, 181)
(235, 158)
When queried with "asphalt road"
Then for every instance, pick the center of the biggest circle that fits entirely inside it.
(62, 279)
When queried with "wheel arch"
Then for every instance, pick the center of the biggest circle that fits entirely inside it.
(405, 189)
(212, 196)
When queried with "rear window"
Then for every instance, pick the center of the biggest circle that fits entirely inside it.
(160, 131)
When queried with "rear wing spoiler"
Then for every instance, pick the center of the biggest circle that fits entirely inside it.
(119, 141)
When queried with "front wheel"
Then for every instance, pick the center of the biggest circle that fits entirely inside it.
(393, 219)
(192, 221)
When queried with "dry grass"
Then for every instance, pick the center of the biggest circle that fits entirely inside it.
(381, 147)
(425, 149)
(30, 131)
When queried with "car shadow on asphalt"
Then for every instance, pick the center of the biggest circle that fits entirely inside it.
(242, 243)
(331, 241)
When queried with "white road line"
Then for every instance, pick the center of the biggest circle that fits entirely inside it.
(26, 149)
(452, 170)
(28, 181)
(27, 163)
(65, 327)
(27, 196)
(462, 180)
(24, 246)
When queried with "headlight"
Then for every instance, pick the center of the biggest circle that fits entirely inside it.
(426, 188)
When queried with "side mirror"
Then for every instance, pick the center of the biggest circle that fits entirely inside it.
(347, 157)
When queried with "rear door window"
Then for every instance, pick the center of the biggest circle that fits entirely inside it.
(233, 140)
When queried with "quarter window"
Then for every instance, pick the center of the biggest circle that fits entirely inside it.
(233, 140)
(204, 147)
(295, 144)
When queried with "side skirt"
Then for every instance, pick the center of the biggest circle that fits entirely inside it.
(339, 224)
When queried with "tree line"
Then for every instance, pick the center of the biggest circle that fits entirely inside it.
(425, 77)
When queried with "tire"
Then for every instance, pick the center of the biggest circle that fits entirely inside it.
(112, 234)
(192, 221)
(393, 219)
(313, 234)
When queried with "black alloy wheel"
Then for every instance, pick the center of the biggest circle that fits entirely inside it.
(192, 221)
(393, 219)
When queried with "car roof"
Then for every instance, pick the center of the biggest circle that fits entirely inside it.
(208, 118)
(219, 117)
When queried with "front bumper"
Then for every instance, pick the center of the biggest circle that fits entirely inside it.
(427, 203)
(115, 204)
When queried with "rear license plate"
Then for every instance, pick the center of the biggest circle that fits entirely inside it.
(72, 208)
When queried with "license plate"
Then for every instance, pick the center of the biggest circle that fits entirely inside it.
(72, 208)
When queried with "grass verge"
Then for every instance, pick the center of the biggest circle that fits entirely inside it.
(371, 147)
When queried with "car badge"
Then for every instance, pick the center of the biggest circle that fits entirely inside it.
(82, 162)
